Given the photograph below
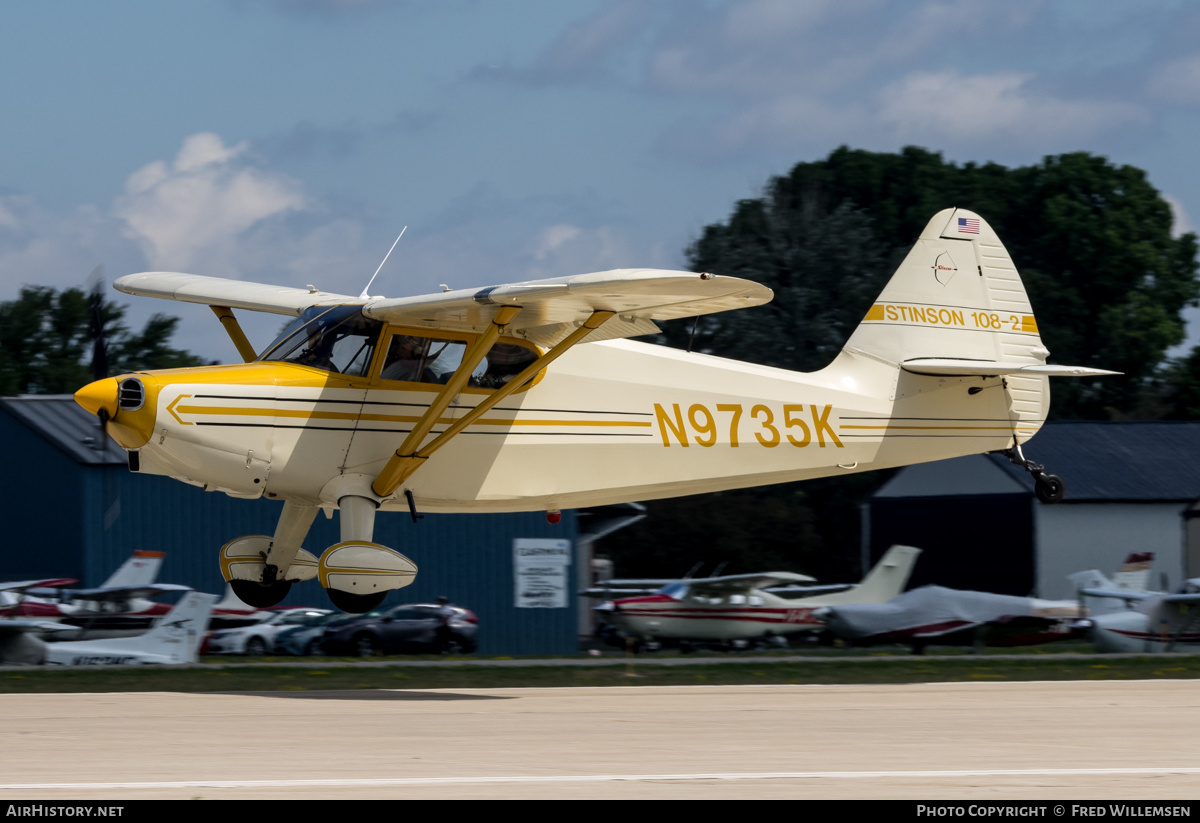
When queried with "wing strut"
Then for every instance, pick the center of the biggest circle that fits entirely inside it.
(407, 459)
(394, 472)
(234, 330)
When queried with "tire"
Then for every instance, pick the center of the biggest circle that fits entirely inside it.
(256, 647)
(313, 648)
(258, 595)
(355, 603)
(1049, 488)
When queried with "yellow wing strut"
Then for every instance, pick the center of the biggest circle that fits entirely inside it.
(234, 330)
(406, 461)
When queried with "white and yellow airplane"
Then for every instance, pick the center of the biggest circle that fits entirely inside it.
(527, 397)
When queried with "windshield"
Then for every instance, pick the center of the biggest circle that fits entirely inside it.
(337, 339)
(675, 591)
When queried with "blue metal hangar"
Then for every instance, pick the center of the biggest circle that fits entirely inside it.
(77, 511)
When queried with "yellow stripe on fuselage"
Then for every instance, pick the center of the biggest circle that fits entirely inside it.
(301, 414)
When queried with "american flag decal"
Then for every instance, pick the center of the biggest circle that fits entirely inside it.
(968, 225)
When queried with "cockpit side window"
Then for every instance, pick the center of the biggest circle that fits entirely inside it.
(425, 359)
(338, 339)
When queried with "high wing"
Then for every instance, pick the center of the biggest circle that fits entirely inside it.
(10, 627)
(29, 586)
(220, 291)
(780, 583)
(117, 594)
(549, 309)
(610, 589)
(744, 582)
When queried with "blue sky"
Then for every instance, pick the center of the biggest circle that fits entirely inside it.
(289, 141)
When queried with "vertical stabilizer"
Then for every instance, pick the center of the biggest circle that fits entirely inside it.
(886, 580)
(957, 296)
(141, 569)
(174, 639)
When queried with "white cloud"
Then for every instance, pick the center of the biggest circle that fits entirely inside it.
(1181, 223)
(563, 249)
(1177, 81)
(945, 106)
(39, 247)
(202, 204)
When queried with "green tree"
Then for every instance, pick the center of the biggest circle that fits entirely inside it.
(46, 341)
(1092, 241)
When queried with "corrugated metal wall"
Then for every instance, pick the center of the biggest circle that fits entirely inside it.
(89, 532)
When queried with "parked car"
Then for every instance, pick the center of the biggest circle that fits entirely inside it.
(259, 638)
(412, 627)
(306, 639)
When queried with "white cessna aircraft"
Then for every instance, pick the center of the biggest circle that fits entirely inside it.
(175, 639)
(738, 608)
(527, 397)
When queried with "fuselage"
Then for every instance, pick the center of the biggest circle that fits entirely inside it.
(755, 614)
(1150, 628)
(607, 422)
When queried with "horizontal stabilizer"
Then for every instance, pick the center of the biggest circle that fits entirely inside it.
(951, 367)
(1119, 594)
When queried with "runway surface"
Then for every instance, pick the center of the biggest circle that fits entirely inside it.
(972, 741)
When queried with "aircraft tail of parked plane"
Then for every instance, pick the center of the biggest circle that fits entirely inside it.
(885, 580)
(174, 639)
(1132, 577)
(359, 404)
(141, 569)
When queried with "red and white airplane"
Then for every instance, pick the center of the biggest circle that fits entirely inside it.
(119, 606)
(740, 610)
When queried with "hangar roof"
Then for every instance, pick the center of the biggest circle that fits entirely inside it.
(1128, 460)
(58, 419)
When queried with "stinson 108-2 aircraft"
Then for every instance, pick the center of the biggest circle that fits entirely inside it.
(527, 397)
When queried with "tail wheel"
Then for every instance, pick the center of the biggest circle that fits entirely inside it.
(1049, 488)
(261, 595)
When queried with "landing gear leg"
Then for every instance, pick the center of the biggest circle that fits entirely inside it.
(261, 569)
(1049, 488)
(357, 573)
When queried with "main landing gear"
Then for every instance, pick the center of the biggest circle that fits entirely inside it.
(1049, 488)
(356, 573)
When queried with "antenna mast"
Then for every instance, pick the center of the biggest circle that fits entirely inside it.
(364, 294)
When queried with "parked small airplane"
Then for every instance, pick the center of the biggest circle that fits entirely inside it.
(936, 615)
(359, 404)
(739, 609)
(118, 607)
(1129, 618)
(174, 639)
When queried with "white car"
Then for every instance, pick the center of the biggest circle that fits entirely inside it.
(259, 638)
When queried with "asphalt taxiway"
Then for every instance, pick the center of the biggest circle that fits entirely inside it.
(977, 741)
